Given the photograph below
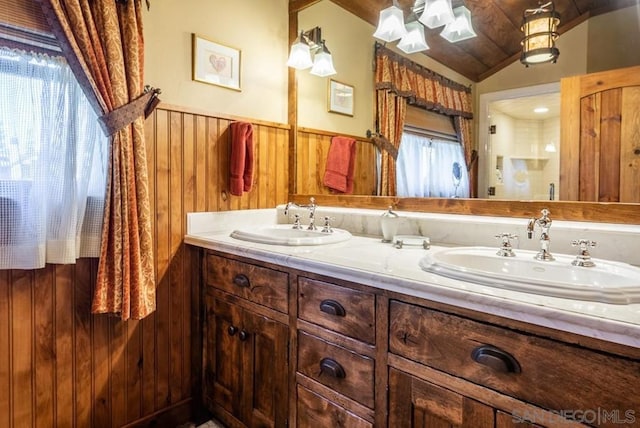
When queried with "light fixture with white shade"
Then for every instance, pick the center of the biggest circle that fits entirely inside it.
(323, 63)
(460, 28)
(432, 14)
(436, 13)
(307, 43)
(550, 147)
(414, 40)
(300, 55)
(390, 24)
(540, 27)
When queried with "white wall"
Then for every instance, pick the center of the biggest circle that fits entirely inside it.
(259, 28)
(527, 169)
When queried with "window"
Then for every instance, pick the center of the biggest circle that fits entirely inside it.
(52, 164)
(431, 167)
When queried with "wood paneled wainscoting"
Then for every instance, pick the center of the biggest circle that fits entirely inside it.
(312, 148)
(61, 366)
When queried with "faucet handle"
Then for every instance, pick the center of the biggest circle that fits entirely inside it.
(583, 258)
(506, 250)
(296, 221)
(327, 225)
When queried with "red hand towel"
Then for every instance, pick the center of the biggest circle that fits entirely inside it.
(338, 174)
(241, 163)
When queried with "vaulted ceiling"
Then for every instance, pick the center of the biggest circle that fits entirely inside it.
(497, 23)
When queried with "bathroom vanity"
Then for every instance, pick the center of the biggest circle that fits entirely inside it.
(355, 334)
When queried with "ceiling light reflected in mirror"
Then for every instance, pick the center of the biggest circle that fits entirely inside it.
(540, 28)
(432, 14)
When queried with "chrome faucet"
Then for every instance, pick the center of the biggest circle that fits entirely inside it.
(544, 222)
(312, 213)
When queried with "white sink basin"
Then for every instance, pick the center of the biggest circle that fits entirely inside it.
(285, 234)
(607, 282)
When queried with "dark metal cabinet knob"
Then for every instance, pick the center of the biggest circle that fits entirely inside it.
(495, 358)
(332, 368)
(232, 330)
(332, 307)
(241, 280)
(243, 335)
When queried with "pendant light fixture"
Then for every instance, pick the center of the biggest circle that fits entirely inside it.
(540, 27)
(429, 13)
(460, 28)
(436, 13)
(414, 40)
(390, 24)
(300, 55)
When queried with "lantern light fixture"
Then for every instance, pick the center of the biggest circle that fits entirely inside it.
(540, 28)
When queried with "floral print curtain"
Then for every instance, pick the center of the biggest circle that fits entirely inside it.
(398, 77)
(103, 43)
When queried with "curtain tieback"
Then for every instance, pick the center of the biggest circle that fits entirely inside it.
(124, 115)
(382, 143)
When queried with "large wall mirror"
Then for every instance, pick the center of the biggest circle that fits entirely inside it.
(527, 165)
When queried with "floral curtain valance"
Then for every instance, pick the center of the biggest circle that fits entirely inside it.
(421, 86)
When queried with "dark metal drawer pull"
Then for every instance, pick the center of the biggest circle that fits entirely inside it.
(332, 368)
(332, 307)
(241, 280)
(495, 358)
(243, 335)
(232, 330)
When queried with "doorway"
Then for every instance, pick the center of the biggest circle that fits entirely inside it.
(519, 143)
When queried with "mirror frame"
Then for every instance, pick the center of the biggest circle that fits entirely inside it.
(601, 212)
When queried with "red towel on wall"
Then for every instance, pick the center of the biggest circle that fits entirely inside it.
(341, 158)
(241, 163)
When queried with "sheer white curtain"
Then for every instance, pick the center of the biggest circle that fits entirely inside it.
(425, 168)
(52, 164)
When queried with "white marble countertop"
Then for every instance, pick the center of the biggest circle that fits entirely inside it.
(367, 260)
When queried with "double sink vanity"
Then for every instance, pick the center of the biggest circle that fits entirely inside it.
(333, 327)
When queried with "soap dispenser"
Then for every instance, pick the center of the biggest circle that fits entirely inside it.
(389, 222)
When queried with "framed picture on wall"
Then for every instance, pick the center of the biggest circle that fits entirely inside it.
(215, 64)
(340, 98)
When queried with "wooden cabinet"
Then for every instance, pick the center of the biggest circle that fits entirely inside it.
(420, 404)
(315, 411)
(335, 358)
(363, 357)
(245, 351)
(339, 368)
(546, 373)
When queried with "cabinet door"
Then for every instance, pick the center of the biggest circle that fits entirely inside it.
(265, 371)
(223, 356)
(416, 403)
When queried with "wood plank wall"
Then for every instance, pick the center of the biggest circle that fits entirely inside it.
(312, 148)
(60, 365)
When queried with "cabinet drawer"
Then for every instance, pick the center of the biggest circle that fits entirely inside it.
(347, 311)
(258, 284)
(553, 375)
(315, 411)
(340, 369)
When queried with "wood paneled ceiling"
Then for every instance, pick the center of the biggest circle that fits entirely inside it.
(497, 23)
